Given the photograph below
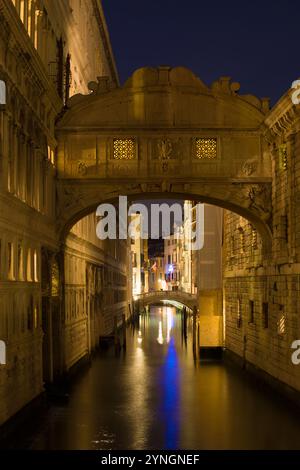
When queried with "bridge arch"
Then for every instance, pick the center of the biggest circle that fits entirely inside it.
(186, 299)
(165, 134)
(65, 223)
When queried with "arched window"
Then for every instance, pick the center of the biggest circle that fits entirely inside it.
(2, 92)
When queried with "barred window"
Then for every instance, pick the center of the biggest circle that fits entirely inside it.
(124, 149)
(206, 149)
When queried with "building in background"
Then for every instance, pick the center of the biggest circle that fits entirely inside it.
(180, 272)
(207, 272)
(139, 261)
(173, 260)
(157, 280)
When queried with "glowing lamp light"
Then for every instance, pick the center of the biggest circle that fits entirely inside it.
(170, 268)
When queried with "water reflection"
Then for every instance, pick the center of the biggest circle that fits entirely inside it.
(170, 397)
(157, 397)
(160, 338)
(166, 320)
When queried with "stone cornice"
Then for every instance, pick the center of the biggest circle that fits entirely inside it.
(99, 14)
(284, 117)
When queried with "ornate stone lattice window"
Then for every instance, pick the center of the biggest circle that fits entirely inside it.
(206, 148)
(124, 149)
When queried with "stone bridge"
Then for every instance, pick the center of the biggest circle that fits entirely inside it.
(186, 299)
(165, 134)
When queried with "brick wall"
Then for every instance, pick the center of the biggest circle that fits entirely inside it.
(262, 294)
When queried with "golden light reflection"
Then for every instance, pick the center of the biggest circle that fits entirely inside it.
(160, 338)
(140, 339)
(139, 391)
(168, 316)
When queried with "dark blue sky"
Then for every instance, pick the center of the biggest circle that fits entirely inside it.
(255, 42)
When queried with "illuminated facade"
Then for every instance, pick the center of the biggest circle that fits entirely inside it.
(43, 63)
(173, 261)
(157, 280)
(163, 134)
(139, 262)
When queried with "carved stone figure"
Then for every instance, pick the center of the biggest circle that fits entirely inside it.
(259, 199)
(249, 167)
(165, 149)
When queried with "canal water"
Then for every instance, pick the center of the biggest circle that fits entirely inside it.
(157, 396)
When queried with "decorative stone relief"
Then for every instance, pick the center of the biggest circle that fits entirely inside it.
(71, 197)
(81, 168)
(165, 149)
(258, 198)
(249, 167)
(120, 170)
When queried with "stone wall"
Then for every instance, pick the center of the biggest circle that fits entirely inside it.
(262, 290)
(41, 64)
(96, 289)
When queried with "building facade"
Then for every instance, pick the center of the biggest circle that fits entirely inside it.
(48, 51)
(164, 134)
(173, 260)
(139, 259)
(157, 281)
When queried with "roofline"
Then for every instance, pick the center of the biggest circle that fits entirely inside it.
(100, 18)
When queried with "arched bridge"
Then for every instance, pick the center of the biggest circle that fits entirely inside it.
(185, 298)
(165, 134)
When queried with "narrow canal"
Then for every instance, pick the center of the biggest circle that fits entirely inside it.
(155, 395)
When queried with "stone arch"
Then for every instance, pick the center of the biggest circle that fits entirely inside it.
(179, 139)
(90, 204)
(188, 301)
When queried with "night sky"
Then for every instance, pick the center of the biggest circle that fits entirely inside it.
(254, 42)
